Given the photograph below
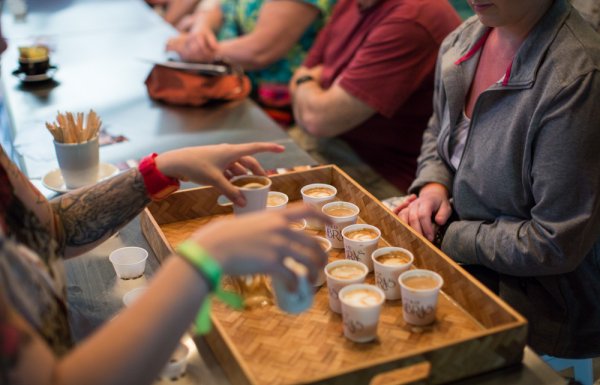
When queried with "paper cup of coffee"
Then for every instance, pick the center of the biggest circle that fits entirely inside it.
(342, 214)
(277, 200)
(298, 225)
(255, 189)
(389, 263)
(340, 274)
(361, 306)
(294, 301)
(316, 195)
(326, 246)
(420, 290)
(360, 240)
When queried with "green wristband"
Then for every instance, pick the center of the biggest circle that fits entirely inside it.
(212, 272)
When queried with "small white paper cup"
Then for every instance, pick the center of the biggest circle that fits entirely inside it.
(133, 295)
(299, 225)
(177, 364)
(419, 305)
(129, 262)
(277, 200)
(361, 317)
(335, 284)
(256, 198)
(386, 276)
(333, 232)
(317, 201)
(360, 249)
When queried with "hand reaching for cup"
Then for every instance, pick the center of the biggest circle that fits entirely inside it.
(214, 165)
(260, 243)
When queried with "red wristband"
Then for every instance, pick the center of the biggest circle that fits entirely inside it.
(158, 185)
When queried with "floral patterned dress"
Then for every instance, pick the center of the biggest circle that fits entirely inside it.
(32, 276)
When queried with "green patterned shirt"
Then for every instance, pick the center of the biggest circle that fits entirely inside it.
(240, 17)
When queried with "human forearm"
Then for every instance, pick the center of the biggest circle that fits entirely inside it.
(89, 215)
(211, 18)
(177, 9)
(279, 26)
(328, 113)
(133, 348)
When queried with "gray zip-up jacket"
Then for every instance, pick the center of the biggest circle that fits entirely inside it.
(527, 190)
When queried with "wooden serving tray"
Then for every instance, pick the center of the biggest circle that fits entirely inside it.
(474, 332)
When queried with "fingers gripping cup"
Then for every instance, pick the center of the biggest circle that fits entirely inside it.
(342, 214)
(361, 307)
(340, 274)
(294, 301)
(360, 240)
(316, 195)
(326, 246)
(389, 263)
(255, 189)
(420, 290)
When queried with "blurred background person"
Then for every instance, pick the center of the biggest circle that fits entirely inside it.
(268, 39)
(368, 81)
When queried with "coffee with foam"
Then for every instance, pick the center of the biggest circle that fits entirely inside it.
(346, 272)
(394, 258)
(275, 200)
(362, 235)
(420, 282)
(339, 211)
(319, 192)
(362, 298)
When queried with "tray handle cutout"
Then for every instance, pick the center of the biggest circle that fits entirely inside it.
(408, 375)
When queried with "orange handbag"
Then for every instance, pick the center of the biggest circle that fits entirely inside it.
(185, 87)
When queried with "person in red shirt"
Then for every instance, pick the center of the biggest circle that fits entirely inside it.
(369, 80)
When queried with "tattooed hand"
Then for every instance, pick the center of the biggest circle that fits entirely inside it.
(214, 165)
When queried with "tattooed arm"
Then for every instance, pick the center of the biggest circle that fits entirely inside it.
(83, 218)
(89, 215)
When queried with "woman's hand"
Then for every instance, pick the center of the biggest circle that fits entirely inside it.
(427, 211)
(200, 45)
(259, 242)
(215, 165)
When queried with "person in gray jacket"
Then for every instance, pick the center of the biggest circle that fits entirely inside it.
(509, 173)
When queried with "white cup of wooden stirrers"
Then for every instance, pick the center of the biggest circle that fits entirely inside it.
(77, 148)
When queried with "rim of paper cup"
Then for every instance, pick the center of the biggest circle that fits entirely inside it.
(280, 194)
(143, 258)
(330, 265)
(135, 293)
(314, 185)
(421, 273)
(387, 249)
(95, 138)
(321, 238)
(302, 221)
(238, 177)
(341, 203)
(358, 286)
(360, 226)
